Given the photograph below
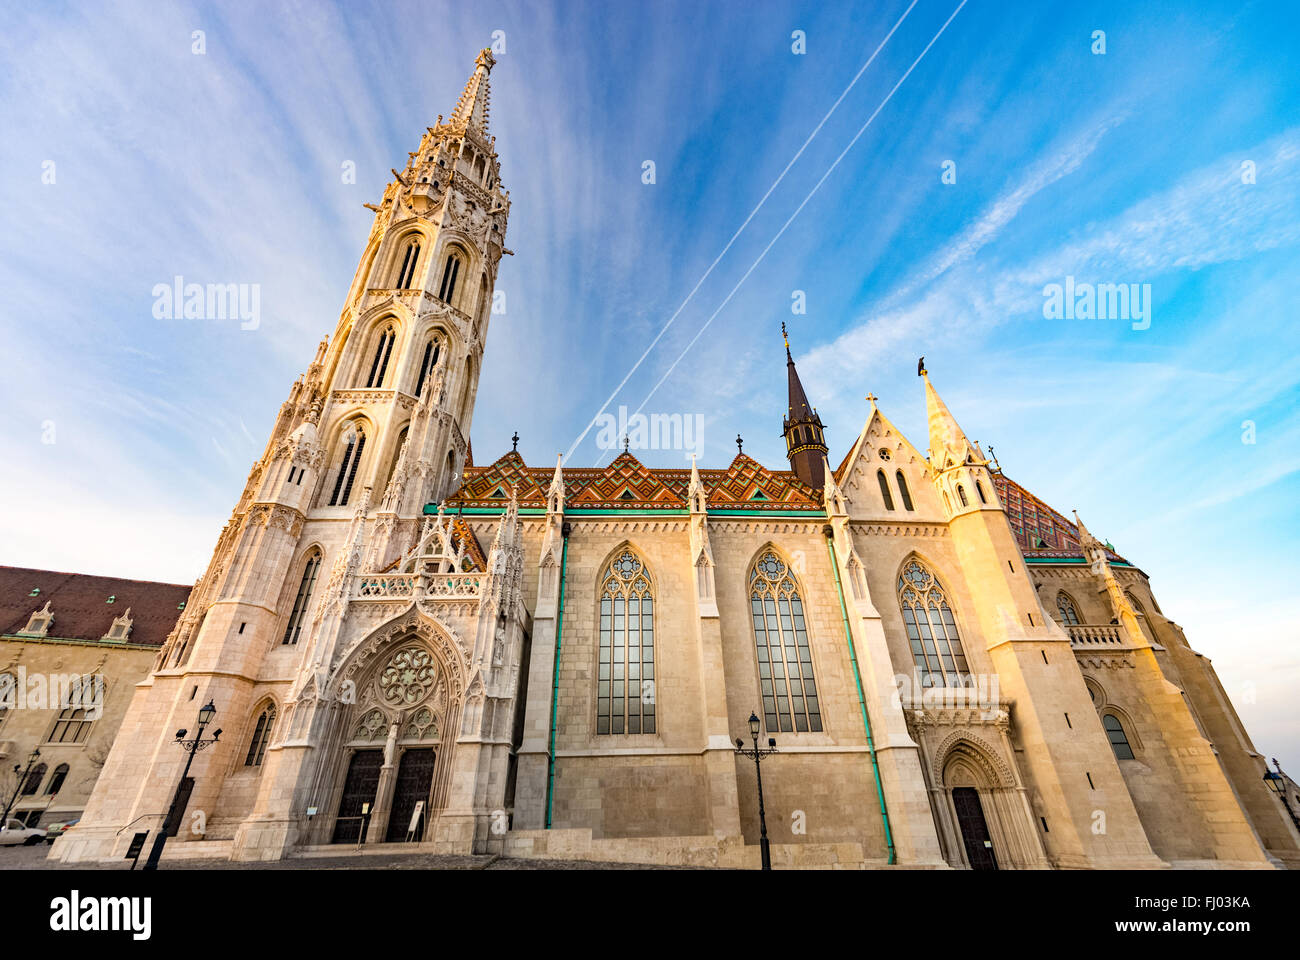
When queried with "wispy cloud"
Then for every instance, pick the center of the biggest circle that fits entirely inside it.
(1208, 217)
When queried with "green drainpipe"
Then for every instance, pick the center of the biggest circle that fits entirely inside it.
(866, 723)
(555, 682)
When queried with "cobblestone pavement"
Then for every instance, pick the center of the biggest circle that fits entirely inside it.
(34, 858)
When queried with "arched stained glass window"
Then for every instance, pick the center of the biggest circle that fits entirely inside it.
(1069, 615)
(293, 630)
(785, 668)
(427, 363)
(383, 351)
(354, 442)
(931, 629)
(409, 261)
(261, 737)
(625, 683)
(450, 273)
(1118, 739)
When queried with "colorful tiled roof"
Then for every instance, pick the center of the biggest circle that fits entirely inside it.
(1041, 532)
(81, 604)
(628, 484)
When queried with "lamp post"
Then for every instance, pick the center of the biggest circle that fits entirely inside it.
(22, 778)
(1277, 783)
(757, 756)
(192, 746)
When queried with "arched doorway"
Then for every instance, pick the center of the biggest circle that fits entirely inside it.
(391, 752)
(975, 786)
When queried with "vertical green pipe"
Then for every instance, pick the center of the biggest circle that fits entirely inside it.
(555, 684)
(862, 702)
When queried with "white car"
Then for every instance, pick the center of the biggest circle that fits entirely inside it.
(15, 832)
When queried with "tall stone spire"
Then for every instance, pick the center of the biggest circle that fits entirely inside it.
(472, 108)
(805, 439)
(948, 444)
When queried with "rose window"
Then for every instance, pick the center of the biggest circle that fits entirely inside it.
(408, 678)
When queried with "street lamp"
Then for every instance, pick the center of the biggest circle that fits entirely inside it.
(1277, 783)
(757, 756)
(191, 746)
(22, 778)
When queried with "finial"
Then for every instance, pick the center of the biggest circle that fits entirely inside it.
(786, 337)
(626, 441)
(740, 444)
(920, 367)
(515, 441)
(994, 457)
(871, 399)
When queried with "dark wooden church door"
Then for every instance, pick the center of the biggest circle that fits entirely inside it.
(358, 789)
(414, 777)
(974, 830)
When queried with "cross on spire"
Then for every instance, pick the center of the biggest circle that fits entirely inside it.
(740, 444)
(515, 441)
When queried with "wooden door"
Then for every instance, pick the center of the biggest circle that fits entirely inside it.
(414, 777)
(358, 790)
(974, 829)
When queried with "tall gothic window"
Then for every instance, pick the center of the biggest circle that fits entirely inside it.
(408, 265)
(785, 669)
(625, 701)
(1118, 738)
(450, 271)
(884, 490)
(261, 737)
(353, 445)
(383, 350)
(427, 363)
(961, 495)
(903, 492)
(293, 630)
(931, 630)
(1069, 615)
(979, 488)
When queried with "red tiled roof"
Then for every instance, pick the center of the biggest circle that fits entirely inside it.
(80, 604)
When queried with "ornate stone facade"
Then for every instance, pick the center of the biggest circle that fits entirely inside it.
(576, 689)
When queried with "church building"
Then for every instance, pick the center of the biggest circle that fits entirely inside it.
(405, 647)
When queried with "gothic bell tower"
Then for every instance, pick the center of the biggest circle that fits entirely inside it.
(377, 427)
(416, 319)
(805, 436)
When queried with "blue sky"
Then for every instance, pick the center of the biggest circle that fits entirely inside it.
(1122, 167)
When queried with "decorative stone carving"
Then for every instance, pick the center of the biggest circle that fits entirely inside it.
(408, 678)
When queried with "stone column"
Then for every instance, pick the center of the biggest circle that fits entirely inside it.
(384, 792)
